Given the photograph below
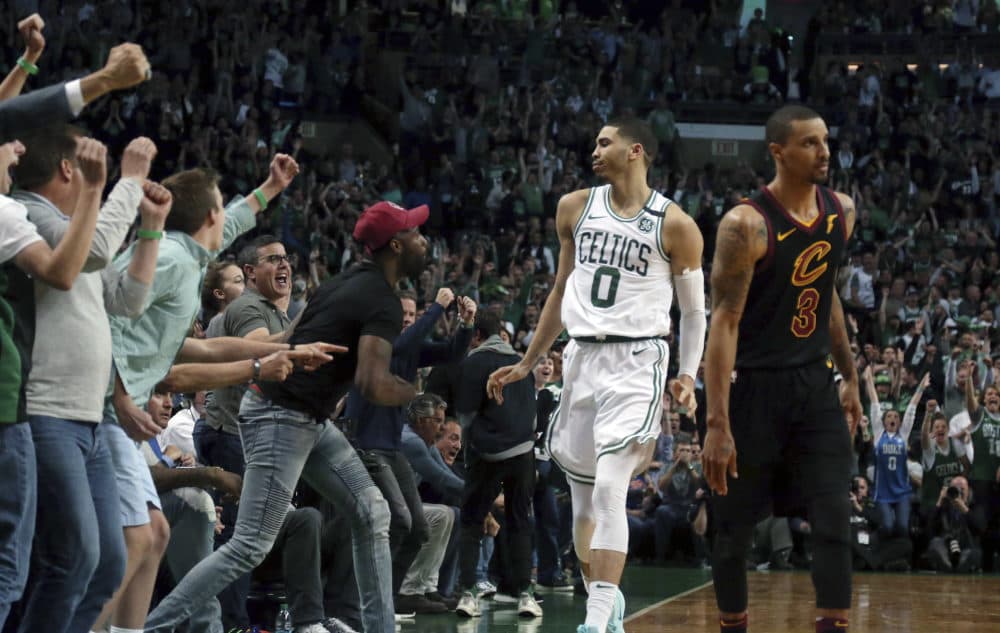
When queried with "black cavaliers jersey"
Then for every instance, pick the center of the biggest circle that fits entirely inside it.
(786, 319)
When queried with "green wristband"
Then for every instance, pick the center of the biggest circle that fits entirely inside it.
(27, 66)
(261, 198)
(147, 234)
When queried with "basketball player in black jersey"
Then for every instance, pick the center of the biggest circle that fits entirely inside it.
(776, 425)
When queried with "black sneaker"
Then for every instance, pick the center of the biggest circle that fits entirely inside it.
(558, 583)
(417, 603)
(449, 602)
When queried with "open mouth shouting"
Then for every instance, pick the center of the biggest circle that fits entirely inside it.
(282, 281)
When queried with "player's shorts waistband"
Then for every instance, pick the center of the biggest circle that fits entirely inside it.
(613, 338)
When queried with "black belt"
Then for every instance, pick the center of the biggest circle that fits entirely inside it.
(614, 338)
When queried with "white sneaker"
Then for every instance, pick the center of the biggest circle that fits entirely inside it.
(405, 617)
(527, 607)
(315, 627)
(616, 624)
(504, 598)
(485, 589)
(468, 605)
(333, 625)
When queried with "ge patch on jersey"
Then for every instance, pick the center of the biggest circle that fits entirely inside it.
(646, 225)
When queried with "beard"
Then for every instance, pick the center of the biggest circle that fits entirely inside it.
(818, 178)
(414, 264)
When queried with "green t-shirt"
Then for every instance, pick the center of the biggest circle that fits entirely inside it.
(10, 360)
(664, 125)
(985, 446)
(532, 195)
(939, 470)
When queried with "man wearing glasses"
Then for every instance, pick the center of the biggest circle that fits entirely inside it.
(259, 313)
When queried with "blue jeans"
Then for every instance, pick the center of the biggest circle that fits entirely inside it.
(486, 547)
(79, 555)
(280, 445)
(894, 518)
(448, 575)
(18, 496)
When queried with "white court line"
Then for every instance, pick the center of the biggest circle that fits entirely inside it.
(642, 612)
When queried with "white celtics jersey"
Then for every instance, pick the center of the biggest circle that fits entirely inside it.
(621, 284)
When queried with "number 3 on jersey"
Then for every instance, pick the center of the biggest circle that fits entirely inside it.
(605, 286)
(804, 323)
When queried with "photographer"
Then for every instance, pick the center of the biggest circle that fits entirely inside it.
(864, 526)
(955, 530)
(683, 511)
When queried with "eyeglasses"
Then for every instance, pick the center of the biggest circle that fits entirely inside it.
(274, 259)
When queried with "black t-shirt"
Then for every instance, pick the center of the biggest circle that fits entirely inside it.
(356, 302)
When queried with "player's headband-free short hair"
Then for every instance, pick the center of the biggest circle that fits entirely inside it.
(779, 124)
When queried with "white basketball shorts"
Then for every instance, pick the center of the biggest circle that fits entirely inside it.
(612, 395)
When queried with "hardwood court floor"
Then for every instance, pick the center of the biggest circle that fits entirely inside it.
(782, 602)
(666, 600)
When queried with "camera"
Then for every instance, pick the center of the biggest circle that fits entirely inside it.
(953, 492)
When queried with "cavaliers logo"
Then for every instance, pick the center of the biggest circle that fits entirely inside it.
(807, 265)
(645, 225)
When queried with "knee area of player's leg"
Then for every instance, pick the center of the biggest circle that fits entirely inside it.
(831, 519)
(609, 496)
(732, 544)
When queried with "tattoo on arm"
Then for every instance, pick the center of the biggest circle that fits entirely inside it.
(733, 265)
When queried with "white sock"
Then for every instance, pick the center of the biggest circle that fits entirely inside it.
(586, 582)
(600, 603)
(121, 629)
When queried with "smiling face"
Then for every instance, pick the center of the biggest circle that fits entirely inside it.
(450, 442)
(991, 399)
(272, 274)
(543, 371)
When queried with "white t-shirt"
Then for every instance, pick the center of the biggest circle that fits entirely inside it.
(16, 232)
(956, 425)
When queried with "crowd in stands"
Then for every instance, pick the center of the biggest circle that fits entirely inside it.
(494, 115)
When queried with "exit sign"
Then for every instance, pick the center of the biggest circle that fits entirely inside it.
(725, 148)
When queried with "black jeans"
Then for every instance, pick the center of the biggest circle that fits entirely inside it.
(215, 447)
(484, 481)
(295, 559)
(546, 526)
(408, 529)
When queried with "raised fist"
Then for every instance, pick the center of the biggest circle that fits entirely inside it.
(444, 297)
(30, 29)
(92, 156)
(127, 66)
(155, 206)
(138, 158)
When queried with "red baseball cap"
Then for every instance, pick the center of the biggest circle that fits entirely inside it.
(381, 221)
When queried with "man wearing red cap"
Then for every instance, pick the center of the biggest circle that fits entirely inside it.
(286, 432)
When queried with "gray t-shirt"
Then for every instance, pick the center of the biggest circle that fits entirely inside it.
(251, 311)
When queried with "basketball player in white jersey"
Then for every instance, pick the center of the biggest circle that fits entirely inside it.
(624, 250)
